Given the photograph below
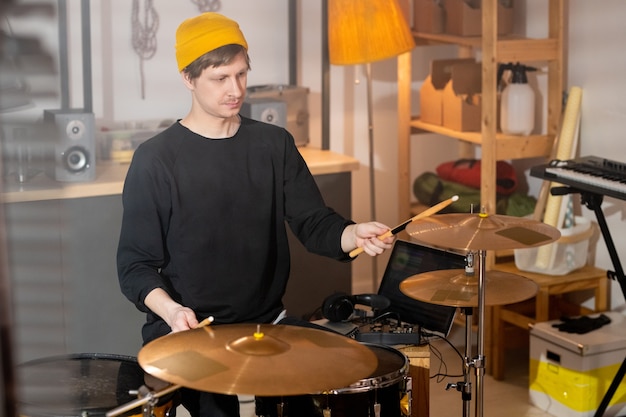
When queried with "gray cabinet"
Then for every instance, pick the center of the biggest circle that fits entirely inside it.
(63, 271)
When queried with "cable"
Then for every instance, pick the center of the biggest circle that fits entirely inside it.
(441, 375)
(392, 314)
(144, 36)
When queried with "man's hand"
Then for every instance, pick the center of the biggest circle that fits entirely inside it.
(365, 235)
(176, 316)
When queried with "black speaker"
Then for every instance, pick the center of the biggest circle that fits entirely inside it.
(74, 145)
(341, 306)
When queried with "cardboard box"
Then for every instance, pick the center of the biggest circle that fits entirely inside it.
(428, 16)
(571, 373)
(461, 97)
(405, 7)
(565, 255)
(464, 18)
(431, 92)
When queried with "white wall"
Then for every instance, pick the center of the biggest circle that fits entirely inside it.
(119, 97)
(595, 62)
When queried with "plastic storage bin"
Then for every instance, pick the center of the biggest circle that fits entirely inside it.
(561, 257)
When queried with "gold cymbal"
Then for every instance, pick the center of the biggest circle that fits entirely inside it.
(482, 231)
(269, 360)
(453, 287)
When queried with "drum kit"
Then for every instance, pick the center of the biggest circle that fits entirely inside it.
(300, 368)
(475, 234)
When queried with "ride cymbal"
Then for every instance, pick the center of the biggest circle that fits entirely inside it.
(482, 231)
(453, 287)
(265, 360)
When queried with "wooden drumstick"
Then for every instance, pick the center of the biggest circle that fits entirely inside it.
(426, 213)
(205, 322)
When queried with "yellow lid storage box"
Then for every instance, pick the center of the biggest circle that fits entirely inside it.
(570, 374)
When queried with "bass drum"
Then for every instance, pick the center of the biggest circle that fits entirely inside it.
(84, 385)
(385, 393)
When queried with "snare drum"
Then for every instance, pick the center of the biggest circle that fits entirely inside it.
(83, 385)
(387, 390)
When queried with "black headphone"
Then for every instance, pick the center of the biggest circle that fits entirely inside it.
(340, 306)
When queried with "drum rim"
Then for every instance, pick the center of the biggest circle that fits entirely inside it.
(382, 381)
(79, 356)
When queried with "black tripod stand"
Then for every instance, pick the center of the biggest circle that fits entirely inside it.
(593, 201)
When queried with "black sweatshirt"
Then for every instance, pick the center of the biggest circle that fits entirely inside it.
(204, 219)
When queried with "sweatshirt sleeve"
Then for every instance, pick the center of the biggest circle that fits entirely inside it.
(141, 253)
(316, 225)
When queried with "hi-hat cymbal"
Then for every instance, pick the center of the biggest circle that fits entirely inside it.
(270, 360)
(453, 287)
(482, 231)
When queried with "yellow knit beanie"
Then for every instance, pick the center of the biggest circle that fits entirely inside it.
(201, 34)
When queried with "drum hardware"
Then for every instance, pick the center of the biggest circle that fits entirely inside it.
(147, 399)
(459, 288)
(255, 360)
(456, 288)
(385, 393)
(480, 232)
(406, 402)
(465, 387)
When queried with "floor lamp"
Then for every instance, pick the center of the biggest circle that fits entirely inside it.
(362, 32)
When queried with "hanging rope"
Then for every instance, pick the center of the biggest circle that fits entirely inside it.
(208, 5)
(144, 36)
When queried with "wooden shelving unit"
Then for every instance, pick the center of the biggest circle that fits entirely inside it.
(494, 145)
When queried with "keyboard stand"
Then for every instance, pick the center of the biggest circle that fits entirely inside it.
(593, 201)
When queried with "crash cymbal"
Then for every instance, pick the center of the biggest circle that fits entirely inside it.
(453, 287)
(482, 231)
(270, 360)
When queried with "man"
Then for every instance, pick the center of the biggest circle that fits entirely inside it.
(206, 201)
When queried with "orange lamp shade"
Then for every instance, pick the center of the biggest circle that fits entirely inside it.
(362, 31)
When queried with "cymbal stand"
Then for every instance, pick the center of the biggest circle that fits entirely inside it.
(465, 387)
(479, 361)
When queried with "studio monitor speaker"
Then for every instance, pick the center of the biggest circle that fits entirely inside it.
(74, 145)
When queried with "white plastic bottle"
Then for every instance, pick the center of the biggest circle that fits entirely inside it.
(517, 103)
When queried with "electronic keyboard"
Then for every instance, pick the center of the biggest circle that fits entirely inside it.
(588, 173)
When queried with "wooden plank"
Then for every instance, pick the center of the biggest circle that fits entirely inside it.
(528, 50)
(404, 135)
(489, 106)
